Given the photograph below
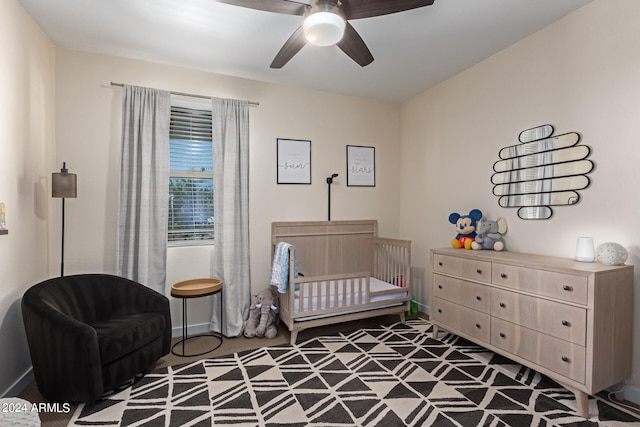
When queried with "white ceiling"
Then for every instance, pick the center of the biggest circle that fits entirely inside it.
(413, 50)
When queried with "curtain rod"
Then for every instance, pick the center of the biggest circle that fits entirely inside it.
(252, 103)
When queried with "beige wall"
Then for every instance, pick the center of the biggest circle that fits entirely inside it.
(26, 147)
(88, 117)
(580, 74)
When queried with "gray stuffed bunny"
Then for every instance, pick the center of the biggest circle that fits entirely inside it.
(489, 234)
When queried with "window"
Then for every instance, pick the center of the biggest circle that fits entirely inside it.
(190, 176)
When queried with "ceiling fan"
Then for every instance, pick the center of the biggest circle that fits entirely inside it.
(326, 22)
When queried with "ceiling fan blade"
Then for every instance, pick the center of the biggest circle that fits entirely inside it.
(356, 9)
(286, 7)
(289, 49)
(353, 45)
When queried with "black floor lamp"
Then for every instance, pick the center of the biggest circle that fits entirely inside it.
(63, 185)
(329, 182)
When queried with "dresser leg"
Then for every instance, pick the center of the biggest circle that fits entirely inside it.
(434, 332)
(582, 400)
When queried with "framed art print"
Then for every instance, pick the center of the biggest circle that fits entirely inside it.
(361, 166)
(294, 161)
(3, 223)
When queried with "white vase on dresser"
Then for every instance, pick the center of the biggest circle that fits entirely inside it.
(569, 320)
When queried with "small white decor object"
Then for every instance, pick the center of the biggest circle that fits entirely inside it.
(584, 250)
(611, 253)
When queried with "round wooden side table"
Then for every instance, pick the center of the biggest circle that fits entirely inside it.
(196, 288)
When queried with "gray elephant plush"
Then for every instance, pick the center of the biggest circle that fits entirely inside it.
(263, 315)
(489, 234)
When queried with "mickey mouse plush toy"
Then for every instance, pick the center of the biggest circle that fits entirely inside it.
(466, 227)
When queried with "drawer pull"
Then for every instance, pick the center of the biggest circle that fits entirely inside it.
(439, 311)
(502, 335)
(503, 305)
(567, 288)
(439, 286)
(566, 323)
(478, 297)
(479, 271)
(440, 263)
(565, 359)
(478, 326)
(503, 275)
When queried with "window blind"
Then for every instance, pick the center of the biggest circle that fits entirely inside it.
(191, 175)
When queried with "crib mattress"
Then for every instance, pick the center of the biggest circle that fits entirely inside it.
(344, 301)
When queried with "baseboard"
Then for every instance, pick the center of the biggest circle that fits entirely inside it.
(20, 384)
(422, 308)
(202, 328)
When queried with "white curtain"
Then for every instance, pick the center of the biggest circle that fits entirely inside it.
(231, 213)
(144, 186)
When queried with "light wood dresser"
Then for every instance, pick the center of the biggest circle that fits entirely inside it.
(569, 320)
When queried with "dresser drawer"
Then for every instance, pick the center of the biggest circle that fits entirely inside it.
(473, 323)
(448, 288)
(557, 355)
(552, 318)
(477, 325)
(476, 297)
(469, 294)
(446, 313)
(461, 267)
(565, 287)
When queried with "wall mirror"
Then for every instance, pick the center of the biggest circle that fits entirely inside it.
(540, 146)
(534, 134)
(535, 212)
(540, 172)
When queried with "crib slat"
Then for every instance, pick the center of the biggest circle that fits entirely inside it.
(392, 261)
(302, 292)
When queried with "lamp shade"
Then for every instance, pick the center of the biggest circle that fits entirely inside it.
(63, 183)
(323, 28)
(584, 250)
(324, 23)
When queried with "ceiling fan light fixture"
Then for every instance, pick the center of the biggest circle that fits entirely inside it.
(324, 25)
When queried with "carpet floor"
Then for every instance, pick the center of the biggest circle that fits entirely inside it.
(389, 375)
(198, 345)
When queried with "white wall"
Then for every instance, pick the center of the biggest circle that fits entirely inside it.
(580, 74)
(26, 147)
(88, 117)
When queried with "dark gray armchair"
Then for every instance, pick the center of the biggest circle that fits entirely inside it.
(91, 333)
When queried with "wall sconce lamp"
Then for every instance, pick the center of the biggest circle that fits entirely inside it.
(63, 185)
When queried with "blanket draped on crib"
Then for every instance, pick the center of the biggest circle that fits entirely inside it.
(280, 267)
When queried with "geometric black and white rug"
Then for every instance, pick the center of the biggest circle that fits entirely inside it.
(394, 375)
